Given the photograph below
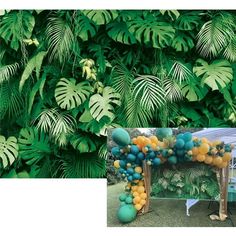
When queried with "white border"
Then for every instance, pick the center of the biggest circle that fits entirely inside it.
(118, 4)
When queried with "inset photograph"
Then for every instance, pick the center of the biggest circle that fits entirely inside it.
(164, 177)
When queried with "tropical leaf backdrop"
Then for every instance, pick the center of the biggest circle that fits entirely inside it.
(68, 76)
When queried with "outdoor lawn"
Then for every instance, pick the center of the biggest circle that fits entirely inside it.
(165, 213)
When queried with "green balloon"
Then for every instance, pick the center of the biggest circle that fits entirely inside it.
(122, 197)
(164, 133)
(121, 137)
(126, 213)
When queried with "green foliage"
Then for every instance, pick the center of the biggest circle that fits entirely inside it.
(152, 32)
(34, 63)
(216, 75)
(68, 76)
(101, 105)
(8, 150)
(16, 26)
(101, 17)
(192, 181)
(33, 145)
(69, 95)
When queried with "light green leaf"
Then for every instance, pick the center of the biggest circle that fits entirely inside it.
(101, 17)
(8, 150)
(34, 63)
(102, 105)
(216, 75)
(69, 95)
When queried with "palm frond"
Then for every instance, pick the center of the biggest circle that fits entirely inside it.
(230, 50)
(215, 35)
(180, 72)
(8, 71)
(173, 90)
(135, 114)
(122, 79)
(83, 166)
(60, 38)
(149, 89)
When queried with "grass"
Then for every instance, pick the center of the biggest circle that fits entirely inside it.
(165, 213)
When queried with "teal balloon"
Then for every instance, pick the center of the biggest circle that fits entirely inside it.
(189, 145)
(122, 163)
(187, 136)
(122, 203)
(179, 143)
(130, 171)
(164, 133)
(126, 213)
(122, 197)
(172, 160)
(129, 200)
(121, 137)
(131, 157)
(130, 178)
(116, 151)
(156, 161)
(179, 136)
(134, 149)
(136, 176)
(141, 156)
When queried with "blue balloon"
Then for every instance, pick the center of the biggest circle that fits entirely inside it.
(122, 163)
(179, 143)
(164, 153)
(136, 176)
(152, 155)
(121, 170)
(179, 136)
(141, 156)
(130, 178)
(115, 151)
(130, 171)
(187, 136)
(131, 157)
(156, 161)
(188, 145)
(134, 149)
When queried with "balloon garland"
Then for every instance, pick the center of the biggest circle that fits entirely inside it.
(156, 150)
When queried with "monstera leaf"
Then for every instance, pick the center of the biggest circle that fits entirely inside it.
(182, 43)
(152, 32)
(83, 143)
(102, 105)
(193, 91)
(101, 17)
(188, 21)
(85, 28)
(216, 75)
(33, 145)
(119, 32)
(69, 95)
(16, 26)
(8, 150)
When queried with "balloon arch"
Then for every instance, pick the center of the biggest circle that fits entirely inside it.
(134, 158)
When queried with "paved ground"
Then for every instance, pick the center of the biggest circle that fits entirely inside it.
(165, 213)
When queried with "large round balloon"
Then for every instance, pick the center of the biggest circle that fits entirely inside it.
(164, 133)
(126, 213)
(121, 137)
